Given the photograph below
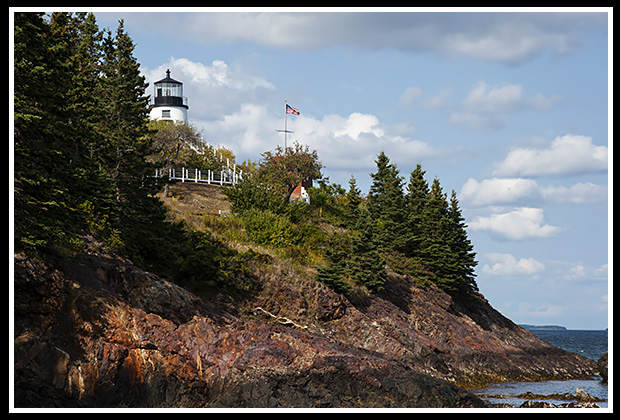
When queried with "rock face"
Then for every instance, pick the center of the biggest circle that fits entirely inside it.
(99, 332)
(601, 365)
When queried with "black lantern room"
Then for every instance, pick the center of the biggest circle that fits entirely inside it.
(169, 92)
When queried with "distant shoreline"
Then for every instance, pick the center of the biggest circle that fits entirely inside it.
(554, 328)
(543, 327)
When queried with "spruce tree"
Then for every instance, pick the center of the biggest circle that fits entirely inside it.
(80, 33)
(415, 205)
(53, 172)
(387, 203)
(367, 266)
(125, 116)
(435, 252)
(353, 201)
(123, 155)
(462, 247)
(335, 272)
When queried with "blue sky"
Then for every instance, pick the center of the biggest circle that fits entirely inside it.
(508, 109)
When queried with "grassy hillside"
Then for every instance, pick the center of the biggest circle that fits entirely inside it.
(191, 201)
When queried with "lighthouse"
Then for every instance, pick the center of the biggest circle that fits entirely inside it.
(169, 103)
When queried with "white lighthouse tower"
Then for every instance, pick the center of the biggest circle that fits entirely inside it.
(169, 103)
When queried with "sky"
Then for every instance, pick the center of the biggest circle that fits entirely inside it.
(508, 108)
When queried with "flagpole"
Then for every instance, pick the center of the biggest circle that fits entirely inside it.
(285, 131)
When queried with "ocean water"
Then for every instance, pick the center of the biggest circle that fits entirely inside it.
(589, 343)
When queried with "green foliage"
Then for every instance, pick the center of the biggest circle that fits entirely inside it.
(367, 265)
(271, 185)
(52, 164)
(355, 258)
(267, 228)
(417, 232)
(174, 142)
(352, 203)
(335, 273)
(81, 147)
(387, 203)
(252, 192)
(204, 263)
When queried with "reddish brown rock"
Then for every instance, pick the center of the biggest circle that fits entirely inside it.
(99, 332)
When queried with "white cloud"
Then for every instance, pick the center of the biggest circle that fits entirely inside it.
(582, 272)
(345, 144)
(358, 124)
(409, 95)
(438, 100)
(213, 90)
(495, 191)
(244, 131)
(506, 264)
(526, 311)
(485, 98)
(510, 38)
(569, 154)
(520, 224)
(487, 107)
(218, 74)
(580, 193)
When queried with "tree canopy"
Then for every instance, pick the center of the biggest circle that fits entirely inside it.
(83, 154)
(270, 186)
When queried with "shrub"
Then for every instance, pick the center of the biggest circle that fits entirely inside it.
(267, 228)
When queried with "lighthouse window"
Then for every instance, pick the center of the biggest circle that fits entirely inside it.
(165, 113)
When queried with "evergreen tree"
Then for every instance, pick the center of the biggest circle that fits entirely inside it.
(52, 167)
(462, 247)
(415, 205)
(387, 203)
(82, 37)
(353, 201)
(435, 253)
(335, 272)
(125, 116)
(126, 146)
(367, 266)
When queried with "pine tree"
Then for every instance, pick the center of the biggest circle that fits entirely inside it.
(52, 168)
(462, 247)
(126, 146)
(435, 253)
(82, 37)
(125, 119)
(353, 201)
(415, 205)
(387, 203)
(367, 266)
(335, 272)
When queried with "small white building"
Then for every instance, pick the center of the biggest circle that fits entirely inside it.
(169, 103)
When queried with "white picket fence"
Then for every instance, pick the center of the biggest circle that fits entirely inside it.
(227, 176)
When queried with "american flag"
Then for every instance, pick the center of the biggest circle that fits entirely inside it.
(291, 110)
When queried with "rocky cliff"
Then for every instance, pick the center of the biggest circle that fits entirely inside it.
(98, 331)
